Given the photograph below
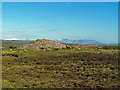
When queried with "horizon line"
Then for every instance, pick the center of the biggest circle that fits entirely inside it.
(56, 39)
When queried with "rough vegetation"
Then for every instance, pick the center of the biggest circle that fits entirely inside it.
(77, 67)
(111, 47)
(44, 44)
(87, 45)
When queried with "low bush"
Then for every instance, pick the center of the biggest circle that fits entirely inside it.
(110, 47)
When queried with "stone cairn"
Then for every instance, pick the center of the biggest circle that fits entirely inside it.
(44, 44)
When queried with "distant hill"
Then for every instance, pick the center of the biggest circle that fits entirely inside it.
(67, 41)
(113, 44)
(14, 42)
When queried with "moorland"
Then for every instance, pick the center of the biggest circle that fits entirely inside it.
(75, 67)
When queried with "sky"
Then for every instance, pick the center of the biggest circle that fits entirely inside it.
(60, 20)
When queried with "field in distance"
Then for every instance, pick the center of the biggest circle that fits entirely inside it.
(65, 68)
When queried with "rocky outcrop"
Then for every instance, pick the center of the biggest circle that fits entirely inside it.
(44, 44)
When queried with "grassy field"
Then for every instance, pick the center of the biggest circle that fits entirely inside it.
(66, 68)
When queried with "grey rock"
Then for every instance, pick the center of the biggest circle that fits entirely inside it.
(41, 44)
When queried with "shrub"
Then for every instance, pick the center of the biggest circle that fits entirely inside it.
(12, 47)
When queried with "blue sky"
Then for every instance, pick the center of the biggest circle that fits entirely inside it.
(60, 20)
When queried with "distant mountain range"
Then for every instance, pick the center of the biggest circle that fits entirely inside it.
(67, 41)
(20, 42)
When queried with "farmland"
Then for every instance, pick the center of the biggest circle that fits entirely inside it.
(76, 67)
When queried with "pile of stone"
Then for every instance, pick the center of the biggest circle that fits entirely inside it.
(44, 44)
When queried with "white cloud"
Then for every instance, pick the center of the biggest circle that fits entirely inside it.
(59, 39)
(11, 39)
